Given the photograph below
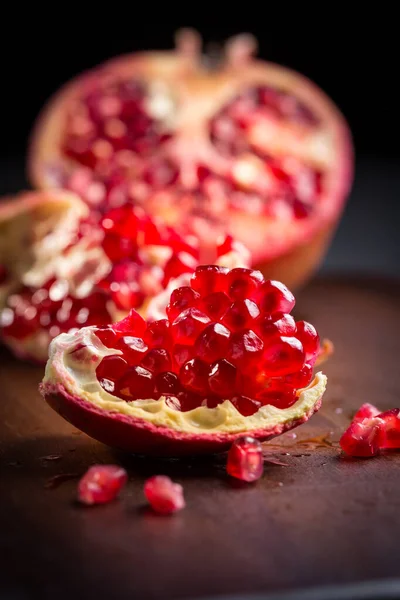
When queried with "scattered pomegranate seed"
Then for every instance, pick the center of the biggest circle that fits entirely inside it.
(366, 411)
(363, 438)
(164, 496)
(101, 484)
(391, 420)
(245, 459)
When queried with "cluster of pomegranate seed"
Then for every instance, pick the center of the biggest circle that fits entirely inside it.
(372, 431)
(229, 335)
(245, 459)
(101, 484)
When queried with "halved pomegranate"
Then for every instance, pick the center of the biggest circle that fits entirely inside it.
(60, 268)
(246, 147)
(229, 360)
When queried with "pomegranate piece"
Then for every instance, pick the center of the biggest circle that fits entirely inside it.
(101, 484)
(245, 459)
(164, 496)
(366, 411)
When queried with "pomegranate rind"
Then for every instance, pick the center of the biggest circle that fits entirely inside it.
(148, 426)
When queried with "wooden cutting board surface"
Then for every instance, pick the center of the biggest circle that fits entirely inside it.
(320, 519)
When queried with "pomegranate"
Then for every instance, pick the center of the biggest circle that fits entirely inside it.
(372, 431)
(101, 484)
(245, 459)
(164, 496)
(195, 382)
(247, 147)
(71, 269)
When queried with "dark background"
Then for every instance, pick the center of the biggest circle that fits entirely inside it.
(354, 61)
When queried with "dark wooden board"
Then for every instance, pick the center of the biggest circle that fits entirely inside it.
(321, 520)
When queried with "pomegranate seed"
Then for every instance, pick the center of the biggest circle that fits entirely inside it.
(177, 265)
(189, 400)
(241, 315)
(164, 496)
(118, 248)
(111, 367)
(366, 411)
(189, 324)
(391, 437)
(133, 323)
(181, 354)
(157, 360)
(136, 384)
(214, 305)
(194, 376)
(167, 384)
(246, 406)
(245, 349)
(283, 356)
(181, 299)
(245, 459)
(101, 484)
(275, 297)
(212, 343)
(279, 395)
(277, 324)
(309, 338)
(107, 336)
(133, 348)
(158, 334)
(209, 278)
(300, 379)
(222, 378)
(364, 438)
(242, 283)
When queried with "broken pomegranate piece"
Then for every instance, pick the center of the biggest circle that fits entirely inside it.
(245, 459)
(253, 149)
(101, 484)
(191, 382)
(372, 431)
(164, 496)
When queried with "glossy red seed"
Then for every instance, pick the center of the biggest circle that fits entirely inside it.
(242, 314)
(188, 326)
(179, 264)
(189, 400)
(214, 305)
(164, 496)
(181, 299)
(133, 348)
(181, 354)
(366, 411)
(137, 383)
(157, 360)
(133, 324)
(275, 297)
(208, 279)
(111, 367)
(158, 334)
(245, 349)
(364, 438)
(107, 336)
(243, 283)
(245, 459)
(222, 379)
(276, 324)
(194, 376)
(309, 337)
(101, 484)
(299, 379)
(212, 343)
(283, 356)
(279, 395)
(391, 437)
(167, 383)
(246, 406)
(118, 248)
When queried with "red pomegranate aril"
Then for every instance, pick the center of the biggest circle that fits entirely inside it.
(157, 360)
(309, 338)
(391, 437)
(241, 315)
(181, 354)
(212, 343)
(181, 299)
(299, 379)
(167, 384)
(364, 438)
(164, 496)
(246, 406)
(179, 264)
(111, 367)
(188, 325)
(194, 376)
(189, 400)
(275, 297)
(133, 348)
(208, 279)
(243, 283)
(277, 324)
(214, 305)
(245, 459)
(245, 349)
(158, 334)
(101, 484)
(279, 395)
(282, 356)
(133, 323)
(137, 383)
(366, 411)
(118, 248)
(222, 379)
